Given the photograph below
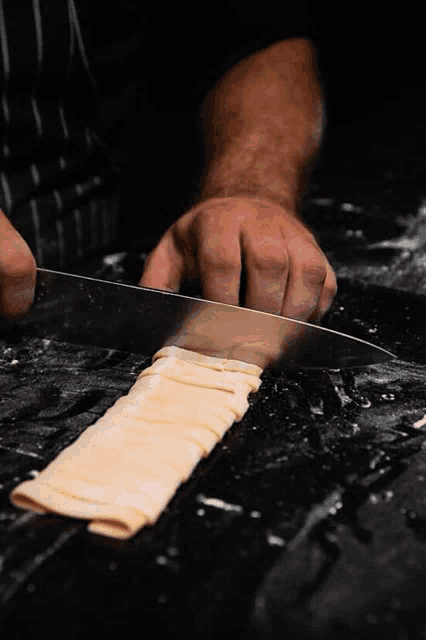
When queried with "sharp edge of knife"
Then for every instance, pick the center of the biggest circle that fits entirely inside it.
(385, 355)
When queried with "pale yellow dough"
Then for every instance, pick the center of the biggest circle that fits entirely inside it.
(123, 470)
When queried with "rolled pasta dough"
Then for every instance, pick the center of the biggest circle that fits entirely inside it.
(123, 470)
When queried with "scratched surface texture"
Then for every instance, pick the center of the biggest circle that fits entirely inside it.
(307, 521)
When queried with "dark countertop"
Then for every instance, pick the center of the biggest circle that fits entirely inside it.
(318, 524)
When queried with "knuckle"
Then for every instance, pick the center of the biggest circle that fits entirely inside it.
(315, 270)
(271, 261)
(331, 288)
(220, 261)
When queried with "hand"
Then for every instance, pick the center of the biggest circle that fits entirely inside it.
(286, 271)
(17, 271)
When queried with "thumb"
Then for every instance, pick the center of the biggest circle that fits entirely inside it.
(164, 267)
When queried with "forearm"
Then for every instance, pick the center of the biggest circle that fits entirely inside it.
(263, 123)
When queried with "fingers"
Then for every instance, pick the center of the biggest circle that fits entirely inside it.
(220, 276)
(164, 267)
(17, 271)
(218, 256)
(286, 271)
(328, 292)
(267, 269)
(311, 284)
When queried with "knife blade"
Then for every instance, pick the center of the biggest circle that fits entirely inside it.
(87, 311)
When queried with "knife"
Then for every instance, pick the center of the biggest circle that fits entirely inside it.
(87, 311)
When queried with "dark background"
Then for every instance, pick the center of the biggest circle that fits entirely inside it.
(371, 71)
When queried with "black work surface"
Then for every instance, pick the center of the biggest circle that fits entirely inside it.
(318, 527)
